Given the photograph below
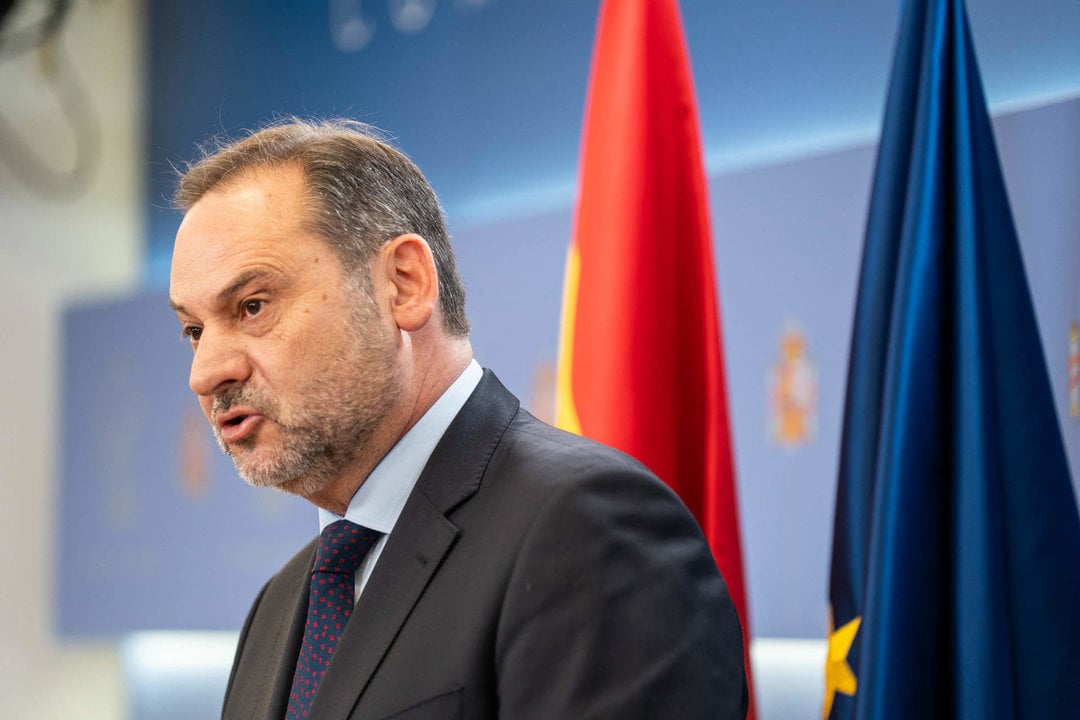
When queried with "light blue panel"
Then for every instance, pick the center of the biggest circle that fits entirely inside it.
(513, 274)
(788, 243)
(145, 545)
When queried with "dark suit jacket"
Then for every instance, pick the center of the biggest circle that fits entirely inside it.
(532, 575)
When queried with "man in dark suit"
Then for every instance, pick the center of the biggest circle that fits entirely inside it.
(501, 568)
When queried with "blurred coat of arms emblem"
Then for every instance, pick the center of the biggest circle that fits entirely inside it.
(793, 393)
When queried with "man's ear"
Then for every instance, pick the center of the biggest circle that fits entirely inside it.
(412, 281)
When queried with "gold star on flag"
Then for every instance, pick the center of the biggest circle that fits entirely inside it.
(838, 674)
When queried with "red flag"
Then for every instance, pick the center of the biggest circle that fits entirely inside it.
(640, 365)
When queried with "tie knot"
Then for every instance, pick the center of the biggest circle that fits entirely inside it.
(342, 547)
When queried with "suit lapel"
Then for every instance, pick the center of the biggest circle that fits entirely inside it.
(289, 636)
(416, 547)
(263, 694)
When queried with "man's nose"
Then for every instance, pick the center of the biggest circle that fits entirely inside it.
(220, 360)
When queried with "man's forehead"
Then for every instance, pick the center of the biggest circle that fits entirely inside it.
(259, 177)
(255, 221)
(265, 199)
(270, 191)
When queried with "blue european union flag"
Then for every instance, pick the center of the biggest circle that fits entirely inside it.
(955, 589)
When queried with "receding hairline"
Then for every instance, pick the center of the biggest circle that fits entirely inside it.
(236, 177)
(285, 140)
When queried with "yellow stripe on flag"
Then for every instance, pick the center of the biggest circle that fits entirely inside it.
(566, 416)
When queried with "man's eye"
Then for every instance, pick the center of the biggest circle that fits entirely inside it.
(191, 333)
(253, 307)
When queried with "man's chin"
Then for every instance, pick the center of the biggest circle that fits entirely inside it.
(291, 483)
(255, 470)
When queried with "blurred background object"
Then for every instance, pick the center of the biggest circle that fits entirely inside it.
(28, 154)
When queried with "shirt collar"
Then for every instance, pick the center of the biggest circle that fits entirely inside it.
(381, 497)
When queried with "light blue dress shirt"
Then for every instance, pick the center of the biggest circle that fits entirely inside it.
(380, 499)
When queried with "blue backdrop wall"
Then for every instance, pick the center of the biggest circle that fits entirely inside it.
(158, 532)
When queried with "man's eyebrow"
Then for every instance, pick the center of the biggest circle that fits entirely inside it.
(242, 281)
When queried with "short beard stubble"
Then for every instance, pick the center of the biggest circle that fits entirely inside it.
(335, 418)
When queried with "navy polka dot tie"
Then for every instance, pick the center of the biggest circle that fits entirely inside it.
(342, 547)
